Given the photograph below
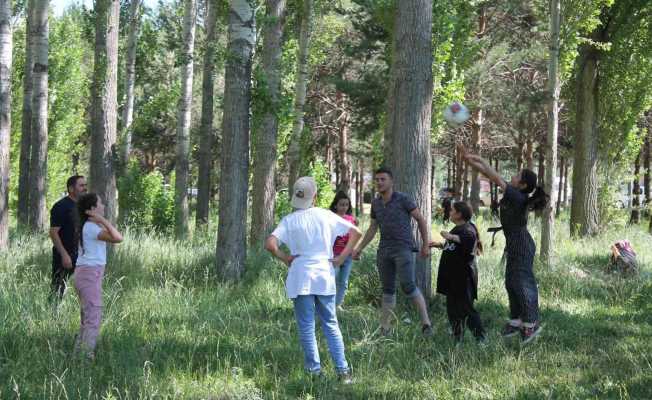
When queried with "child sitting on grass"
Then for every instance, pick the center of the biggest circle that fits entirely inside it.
(457, 276)
(92, 233)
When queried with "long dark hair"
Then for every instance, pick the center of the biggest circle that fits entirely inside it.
(466, 211)
(84, 203)
(537, 200)
(340, 195)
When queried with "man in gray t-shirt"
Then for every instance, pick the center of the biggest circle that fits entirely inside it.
(392, 212)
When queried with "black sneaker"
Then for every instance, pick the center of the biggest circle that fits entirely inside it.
(426, 330)
(345, 378)
(530, 333)
(510, 330)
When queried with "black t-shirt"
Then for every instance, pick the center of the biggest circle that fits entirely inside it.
(456, 262)
(513, 209)
(62, 216)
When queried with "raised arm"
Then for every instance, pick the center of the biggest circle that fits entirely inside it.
(479, 164)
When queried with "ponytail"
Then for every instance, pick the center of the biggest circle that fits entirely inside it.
(538, 200)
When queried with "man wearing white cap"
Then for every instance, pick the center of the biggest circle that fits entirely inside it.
(309, 233)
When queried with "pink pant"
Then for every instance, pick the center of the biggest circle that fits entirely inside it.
(88, 284)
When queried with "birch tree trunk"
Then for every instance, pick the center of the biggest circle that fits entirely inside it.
(231, 249)
(408, 117)
(6, 47)
(294, 150)
(547, 222)
(22, 213)
(182, 164)
(39, 124)
(265, 150)
(130, 78)
(105, 105)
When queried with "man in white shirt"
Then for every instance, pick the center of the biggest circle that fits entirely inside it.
(310, 233)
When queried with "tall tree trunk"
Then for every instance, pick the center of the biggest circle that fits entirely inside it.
(547, 222)
(104, 103)
(646, 169)
(294, 151)
(520, 149)
(182, 164)
(5, 117)
(476, 142)
(232, 225)
(465, 183)
(39, 125)
(207, 112)
(529, 150)
(635, 217)
(560, 188)
(584, 207)
(459, 176)
(22, 213)
(566, 171)
(265, 150)
(476, 132)
(344, 164)
(448, 173)
(130, 78)
(408, 117)
(360, 190)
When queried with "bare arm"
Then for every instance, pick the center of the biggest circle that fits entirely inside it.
(368, 237)
(271, 245)
(452, 238)
(479, 164)
(354, 235)
(56, 241)
(423, 230)
(109, 233)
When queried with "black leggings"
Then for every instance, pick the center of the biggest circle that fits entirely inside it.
(461, 312)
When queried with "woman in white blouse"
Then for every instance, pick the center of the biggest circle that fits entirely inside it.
(309, 233)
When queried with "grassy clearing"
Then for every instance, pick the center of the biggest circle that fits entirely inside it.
(172, 331)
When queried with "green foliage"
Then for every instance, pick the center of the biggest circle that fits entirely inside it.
(325, 192)
(140, 194)
(163, 209)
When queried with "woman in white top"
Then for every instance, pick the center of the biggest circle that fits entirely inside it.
(310, 233)
(92, 234)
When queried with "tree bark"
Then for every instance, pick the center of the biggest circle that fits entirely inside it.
(182, 163)
(130, 78)
(635, 217)
(409, 114)
(265, 150)
(465, 183)
(231, 235)
(22, 213)
(207, 112)
(39, 125)
(294, 150)
(566, 171)
(584, 207)
(646, 168)
(360, 189)
(344, 164)
(547, 222)
(476, 143)
(560, 188)
(104, 104)
(6, 47)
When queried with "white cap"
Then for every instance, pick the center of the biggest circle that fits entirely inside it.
(305, 190)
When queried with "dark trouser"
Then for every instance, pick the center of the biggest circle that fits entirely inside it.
(393, 262)
(461, 312)
(520, 282)
(60, 275)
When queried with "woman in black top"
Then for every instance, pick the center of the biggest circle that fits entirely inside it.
(457, 276)
(520, 196)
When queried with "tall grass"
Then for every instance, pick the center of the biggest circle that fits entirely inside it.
(172, 330)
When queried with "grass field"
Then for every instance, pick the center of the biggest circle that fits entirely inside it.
(171, 330)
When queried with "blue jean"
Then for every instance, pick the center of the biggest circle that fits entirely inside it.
(304, 311)
(342, 280)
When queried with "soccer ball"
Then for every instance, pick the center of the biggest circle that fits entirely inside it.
(456, 114)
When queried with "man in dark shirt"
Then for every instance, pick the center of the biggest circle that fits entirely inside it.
(62, 234)
(392, 212)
